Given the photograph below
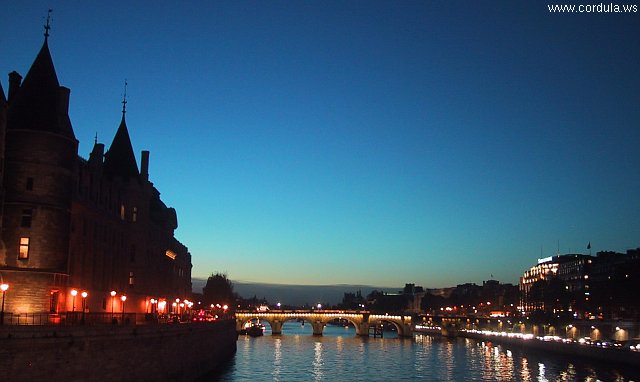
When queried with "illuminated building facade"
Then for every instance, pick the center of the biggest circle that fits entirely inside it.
(92, 225)
(585, 286)
(544, 270)
(556, 283)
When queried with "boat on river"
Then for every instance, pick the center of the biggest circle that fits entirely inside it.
(255, 330)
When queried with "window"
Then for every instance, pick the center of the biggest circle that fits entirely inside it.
(24, 248)
(122, 212)
(26, 218)
(130, 279)
(29, 184)
(135, 214)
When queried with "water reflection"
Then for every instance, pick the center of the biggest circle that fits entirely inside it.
(525, 373)
(541, 376)
(340, 355)
(277, 361)
(317, 362)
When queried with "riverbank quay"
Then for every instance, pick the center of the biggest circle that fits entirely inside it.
(156, 352)
(618, 355)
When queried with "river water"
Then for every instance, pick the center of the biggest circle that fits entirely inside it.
(339, 355)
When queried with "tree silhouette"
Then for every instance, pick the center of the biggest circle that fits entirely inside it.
(218, 290)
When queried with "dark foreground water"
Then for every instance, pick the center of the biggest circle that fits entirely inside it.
(339, 355)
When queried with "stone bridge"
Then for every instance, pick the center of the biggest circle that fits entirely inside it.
(361, 320)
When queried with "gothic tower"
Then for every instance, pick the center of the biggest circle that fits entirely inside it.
(41, 153)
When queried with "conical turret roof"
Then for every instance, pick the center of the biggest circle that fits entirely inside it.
(120, 160)
(38, 104)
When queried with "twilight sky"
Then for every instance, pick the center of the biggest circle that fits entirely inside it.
(361, 142)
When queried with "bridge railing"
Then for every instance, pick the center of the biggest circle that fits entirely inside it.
(298, 311)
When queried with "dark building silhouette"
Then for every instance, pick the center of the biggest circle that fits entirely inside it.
(69, 223)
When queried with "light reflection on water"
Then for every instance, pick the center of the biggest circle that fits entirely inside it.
(339, 355)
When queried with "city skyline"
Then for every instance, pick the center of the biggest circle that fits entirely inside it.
(368, 143)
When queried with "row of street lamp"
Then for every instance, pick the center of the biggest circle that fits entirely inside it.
(177, 305)
(123, 298)
(84, 295)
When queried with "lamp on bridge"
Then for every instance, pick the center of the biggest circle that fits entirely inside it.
(4, 287)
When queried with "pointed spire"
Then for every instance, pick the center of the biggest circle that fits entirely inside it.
(47, 25)
(39, 102)
(120, 159)
(124, 99)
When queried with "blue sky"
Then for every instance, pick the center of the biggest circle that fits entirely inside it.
(361, 142)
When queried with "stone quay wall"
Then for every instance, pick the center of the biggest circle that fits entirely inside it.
(167, 352)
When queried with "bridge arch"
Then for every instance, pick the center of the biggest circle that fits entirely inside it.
(241, 321)
(402, 323)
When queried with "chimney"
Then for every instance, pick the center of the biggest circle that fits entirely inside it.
(97, 155)
(15, 79)
(63, 100)
(144, 165)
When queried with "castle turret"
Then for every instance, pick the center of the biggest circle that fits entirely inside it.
(40, 160)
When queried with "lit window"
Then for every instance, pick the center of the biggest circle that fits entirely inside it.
(24, 248)
(135, 214)
(170, 254)
(122, 212)
(130, 278)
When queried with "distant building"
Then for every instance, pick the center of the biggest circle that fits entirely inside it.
(414, 295)
(583, 286)
(614, 278)
(471, 299)
(96, 225)
(570, 269)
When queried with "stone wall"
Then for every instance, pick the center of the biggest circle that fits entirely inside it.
(180, 352)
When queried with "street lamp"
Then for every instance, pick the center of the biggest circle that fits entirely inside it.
(4, 288)
(74, 293)
(123, 298)
(113, 295)
(84, 304)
